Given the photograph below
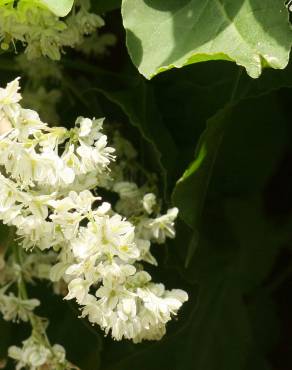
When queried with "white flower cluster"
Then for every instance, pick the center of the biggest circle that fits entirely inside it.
(35, 355)
(47, 174)
(42, 32)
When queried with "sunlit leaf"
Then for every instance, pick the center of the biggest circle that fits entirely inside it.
(166, 34)
(59, 7)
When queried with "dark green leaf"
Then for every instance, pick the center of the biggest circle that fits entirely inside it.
(195, 181)
(241, 163)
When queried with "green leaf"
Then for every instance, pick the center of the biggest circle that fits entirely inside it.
(259, 241)
(195, 181)
(254, 143)
(219, 336)
(265, 321)
(238, 151)
(234, 319)
(61, 8)
(166, 34)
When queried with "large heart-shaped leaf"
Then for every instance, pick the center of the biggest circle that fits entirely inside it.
(166, 34)
(59, 7)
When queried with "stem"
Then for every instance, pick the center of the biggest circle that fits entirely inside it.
(36, 324)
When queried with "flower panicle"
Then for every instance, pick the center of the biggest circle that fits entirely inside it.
(49, 183)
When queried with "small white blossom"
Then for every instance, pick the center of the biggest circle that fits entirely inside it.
(31, 355)
(14, 308)
(10, 94)
(78, 289)
(163, 226)
(149, 201)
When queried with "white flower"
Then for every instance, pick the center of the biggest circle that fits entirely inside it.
(144, 247)
(50, 169)
(93, 311)
(38, 205)
(9, 194)
(117, 237)
(163, 226)
(85, 244)
(78, 289)
(127, 308)
(116, 271)
(71, 160)
(103, 209)
(68, 223)
(37, 230)
(86, 268)
(58, 270)
(85, 126)
(149, 201)
(51, 139)
(28, 123)
(140, 279)
(14, 308)
(10, 94)
(81, 202)
(97, 157)
(109, 295)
